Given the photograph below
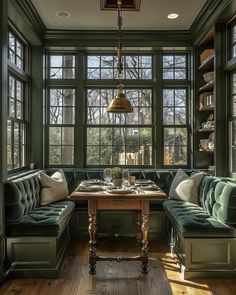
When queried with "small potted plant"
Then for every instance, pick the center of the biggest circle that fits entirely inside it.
(117, 176)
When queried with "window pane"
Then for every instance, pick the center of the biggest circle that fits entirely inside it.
(106, 155)
(54, 155)
(62, 108)
(175, 146)
(11, 87)
(168, 116)
(61, 142)
(55, 135)
(67, 136)
(15, 50)
(9, 157)
(174, 106)
(92, 155)
(62, 66)
(234, 34)
(121, 146)
(174, 66)
(19, 110)
(16, 156)
(93, 61)
(67, 155)
(19, 90)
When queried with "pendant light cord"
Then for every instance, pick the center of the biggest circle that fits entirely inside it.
(120, 65)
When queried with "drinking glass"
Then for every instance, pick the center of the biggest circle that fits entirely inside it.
(107, 176)
(125, 177)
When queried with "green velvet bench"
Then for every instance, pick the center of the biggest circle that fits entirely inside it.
(36, 236)
(203, 237)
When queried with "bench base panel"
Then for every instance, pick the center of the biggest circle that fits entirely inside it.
(204, 257)
(36, 257)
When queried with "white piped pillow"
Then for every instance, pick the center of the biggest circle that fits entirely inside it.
(186, 188)
(54, 188)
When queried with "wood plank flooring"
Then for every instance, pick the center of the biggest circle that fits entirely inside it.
(112, 278)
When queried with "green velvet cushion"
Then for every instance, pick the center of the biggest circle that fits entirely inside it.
(193, 221)
(218, 198)
(95, 174)
(164, 180)
(48, 220)
(22, 195)
(224, 208)
(137, 174)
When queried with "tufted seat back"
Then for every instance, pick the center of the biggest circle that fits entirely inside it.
(21, 196)
(218, 198)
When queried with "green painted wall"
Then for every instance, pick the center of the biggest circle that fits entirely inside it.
(3, 108)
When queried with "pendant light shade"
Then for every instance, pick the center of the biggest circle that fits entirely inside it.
(120, 104)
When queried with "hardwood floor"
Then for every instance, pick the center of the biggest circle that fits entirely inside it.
(124, 278)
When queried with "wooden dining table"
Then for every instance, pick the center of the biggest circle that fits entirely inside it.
(138, 199)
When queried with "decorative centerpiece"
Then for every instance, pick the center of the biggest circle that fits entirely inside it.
(117, 176)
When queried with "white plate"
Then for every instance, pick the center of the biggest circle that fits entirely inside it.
(143, 181)
(119, 191)
(93, 181)
(149, 188)
(91, 188)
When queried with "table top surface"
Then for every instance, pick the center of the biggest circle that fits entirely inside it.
(105, 195)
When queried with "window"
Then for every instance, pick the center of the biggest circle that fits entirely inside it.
(232, 102)
(119, 139)
(78, 121)
(174, 119)
(61, 66)
(233, 94)
(232, 124)
(233, 41)
(105, 67)
(61, 126)
(15, 51)
(175, 110)
(175, 66)
(16, 122)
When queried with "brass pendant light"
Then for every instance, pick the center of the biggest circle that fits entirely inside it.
(120, 104)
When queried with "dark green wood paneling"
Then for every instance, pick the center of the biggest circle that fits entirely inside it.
(80, 111)
(36, 108)
(21, 21)
(3, 112)
(35, 256)
(213, 11)
(85, 39)
(221, 140)
(33, 16)
(158, 111)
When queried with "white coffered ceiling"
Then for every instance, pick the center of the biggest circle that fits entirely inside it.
(86, 15)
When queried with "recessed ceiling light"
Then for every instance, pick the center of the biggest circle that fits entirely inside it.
(173, 15)
(63, 14)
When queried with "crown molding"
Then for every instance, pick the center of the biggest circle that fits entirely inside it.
(207, 18)
(33, 16)
(86, 38)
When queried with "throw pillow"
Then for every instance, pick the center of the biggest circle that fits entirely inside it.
(54, 188)
(186, 188)
(180, 176)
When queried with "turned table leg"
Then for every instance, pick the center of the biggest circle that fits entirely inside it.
(144, 228)
(92, 233)
(139, 225)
